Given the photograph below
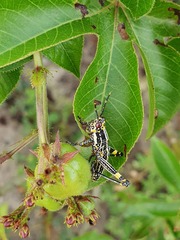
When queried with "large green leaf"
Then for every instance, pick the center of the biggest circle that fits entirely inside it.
(67, 55)
(8, 81)
(161, 63)
(35, 25)
(166, 162)
(114, 70)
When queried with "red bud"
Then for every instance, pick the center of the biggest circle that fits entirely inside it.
(24, 231)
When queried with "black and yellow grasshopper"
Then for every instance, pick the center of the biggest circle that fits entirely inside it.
(98, 139)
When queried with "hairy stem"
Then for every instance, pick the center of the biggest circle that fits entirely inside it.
(41, 99)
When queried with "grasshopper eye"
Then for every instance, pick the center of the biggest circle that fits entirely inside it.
(98, 125)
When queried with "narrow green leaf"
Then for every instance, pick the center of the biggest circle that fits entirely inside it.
(114, 70)
(8, 81)
(67, 55)
(161, 64)
(138, 8)
(93, 235)
(138, 211)
(166, 162)
(149, 210)
(164, 209)
(142, 229)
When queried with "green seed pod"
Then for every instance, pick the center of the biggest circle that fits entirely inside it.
(49, 203)
(76, 176)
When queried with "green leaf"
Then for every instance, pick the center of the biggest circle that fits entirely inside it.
(93, 235)
(114, 70)
(8, 81)
(166, 162)
(35, 26)
(15, 65)
(67, 55)
(149, 210)
(142, 229)
(164, 209)
(161, 63)
(174, 43)
(138, 8)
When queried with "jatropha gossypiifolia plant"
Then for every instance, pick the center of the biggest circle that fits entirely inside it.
(62, 175)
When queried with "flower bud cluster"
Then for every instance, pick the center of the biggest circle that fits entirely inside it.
(80, 209)
(17, 220)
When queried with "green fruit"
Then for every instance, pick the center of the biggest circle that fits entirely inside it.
(49, 203)
(77, 175)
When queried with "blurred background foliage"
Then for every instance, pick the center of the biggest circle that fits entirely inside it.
(148, 209)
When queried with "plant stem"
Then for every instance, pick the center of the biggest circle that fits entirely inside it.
(41, 100)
